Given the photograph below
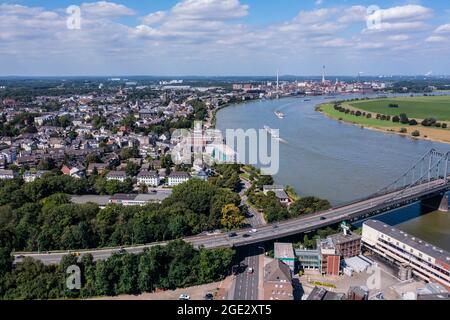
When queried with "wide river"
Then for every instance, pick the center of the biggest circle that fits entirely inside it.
(326, 158)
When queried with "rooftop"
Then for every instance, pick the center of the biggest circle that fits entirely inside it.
(180, 174)
(414, 242)
(341, 238)
(117, 174)
(150, 174)
(277, 271)
(284, 250)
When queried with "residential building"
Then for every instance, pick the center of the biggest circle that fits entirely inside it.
(358, 293)
(32, 176)
(6, 174)
(177, 178)
(426, 261)
(279, 193)
(140, 199)
(285, 253)
(319, 294)
(278, 281)
(330, 258)
(308, 259)
(116, 176)
(148, 178)
(347, 244)
(100, 167)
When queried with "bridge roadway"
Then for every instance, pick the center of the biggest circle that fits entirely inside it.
(273, 231)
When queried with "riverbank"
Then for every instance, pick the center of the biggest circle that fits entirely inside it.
(426, 133)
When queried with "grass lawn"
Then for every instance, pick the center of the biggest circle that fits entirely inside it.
(328, 109)
(414, 107)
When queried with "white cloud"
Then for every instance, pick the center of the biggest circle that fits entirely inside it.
(210, 9)
(106, 9)
(154, 18)
(314, 16)
(354, 14)
(409, 12)
(443, 29)
(399, 37)
(436, 39)
(399, 26)
(203, 34)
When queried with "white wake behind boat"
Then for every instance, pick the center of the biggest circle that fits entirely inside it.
(279, 114)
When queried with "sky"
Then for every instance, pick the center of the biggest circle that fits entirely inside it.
(224, 37)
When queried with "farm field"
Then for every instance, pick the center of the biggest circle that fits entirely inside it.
(428, 133)
(415, 107)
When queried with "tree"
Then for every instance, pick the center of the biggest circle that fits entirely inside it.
(429, 122)
(143, 188)
(232, 218)
(264, 181)
(214, 264)
(46, 164)
(6, 247)
(309, 205)
(132, 169)
(128, 153)
(404, 118)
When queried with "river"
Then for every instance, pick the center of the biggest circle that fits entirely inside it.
(325, 158)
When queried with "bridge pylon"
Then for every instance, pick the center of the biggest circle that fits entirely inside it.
(432, 168)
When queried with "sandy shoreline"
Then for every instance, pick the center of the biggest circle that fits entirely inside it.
(423, 130)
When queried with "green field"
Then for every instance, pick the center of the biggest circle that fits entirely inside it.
(329, 110)
(414, 107)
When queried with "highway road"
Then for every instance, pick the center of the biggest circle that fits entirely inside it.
(273, 231)
(255, 218)
(246, 286)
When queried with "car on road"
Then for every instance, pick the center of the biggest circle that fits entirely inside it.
(232, 235)
(246, 235)
(250, 270)
(209, 296)
(184, 297)
(323, 218)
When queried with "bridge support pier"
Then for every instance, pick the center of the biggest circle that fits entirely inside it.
(443, 206)
(438, 202)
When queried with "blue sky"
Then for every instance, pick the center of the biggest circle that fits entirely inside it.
(225, 37)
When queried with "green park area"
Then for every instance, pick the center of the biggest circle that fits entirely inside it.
(329, 110)
(426, 117)
(437, 107)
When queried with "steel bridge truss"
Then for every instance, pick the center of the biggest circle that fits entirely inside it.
(433, 166)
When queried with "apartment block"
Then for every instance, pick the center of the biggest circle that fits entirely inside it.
(426, 261)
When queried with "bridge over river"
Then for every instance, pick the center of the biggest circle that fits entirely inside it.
(426, 181)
